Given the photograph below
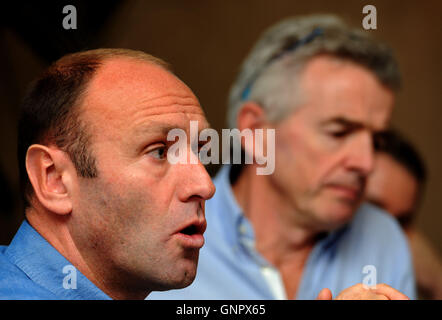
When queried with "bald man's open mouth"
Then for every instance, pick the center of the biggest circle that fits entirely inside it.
(190, 235)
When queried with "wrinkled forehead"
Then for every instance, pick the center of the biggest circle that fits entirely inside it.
(126, 90)
(335, 87)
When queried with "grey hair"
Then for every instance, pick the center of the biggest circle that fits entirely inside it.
(270, 71)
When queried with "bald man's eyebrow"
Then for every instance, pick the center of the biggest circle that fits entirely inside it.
(164, 128)
(157, 128)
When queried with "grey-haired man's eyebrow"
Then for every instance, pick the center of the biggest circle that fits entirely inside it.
(347, 123)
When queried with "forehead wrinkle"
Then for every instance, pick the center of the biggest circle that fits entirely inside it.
(173, 109)
(176, 102)
(147, 125)
(161, 125)
(170, 96)
(167, 110)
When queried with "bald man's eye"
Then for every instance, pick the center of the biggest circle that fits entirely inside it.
(158, 152)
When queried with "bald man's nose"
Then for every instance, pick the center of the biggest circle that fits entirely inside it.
(196, 182)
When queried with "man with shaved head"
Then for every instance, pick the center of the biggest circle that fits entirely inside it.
(107, 216)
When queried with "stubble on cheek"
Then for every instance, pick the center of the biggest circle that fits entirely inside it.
(131, 233)
(116, 220)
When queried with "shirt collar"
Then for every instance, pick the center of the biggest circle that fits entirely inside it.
(232, 212)
(44, 265)
(242, 234)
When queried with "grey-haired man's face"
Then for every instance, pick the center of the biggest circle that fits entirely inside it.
(324, 149)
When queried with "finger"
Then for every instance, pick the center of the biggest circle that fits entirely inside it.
(389, 292)
(325, 294)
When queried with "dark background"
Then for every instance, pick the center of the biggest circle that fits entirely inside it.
(205, 41)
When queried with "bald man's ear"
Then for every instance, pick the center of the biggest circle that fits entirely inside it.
(50, 172)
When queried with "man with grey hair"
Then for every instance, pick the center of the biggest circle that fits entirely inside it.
(328, 90)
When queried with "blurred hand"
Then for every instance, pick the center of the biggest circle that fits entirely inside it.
(362, 292)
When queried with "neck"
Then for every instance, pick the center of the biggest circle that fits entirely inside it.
(280, 235)
(54, 228)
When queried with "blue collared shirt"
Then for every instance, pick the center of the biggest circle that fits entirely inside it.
(371, 248)
(30, 268)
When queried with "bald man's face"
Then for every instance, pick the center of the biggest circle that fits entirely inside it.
(392, 187)
(130, 222)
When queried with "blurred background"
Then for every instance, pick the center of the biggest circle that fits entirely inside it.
(206, 41)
